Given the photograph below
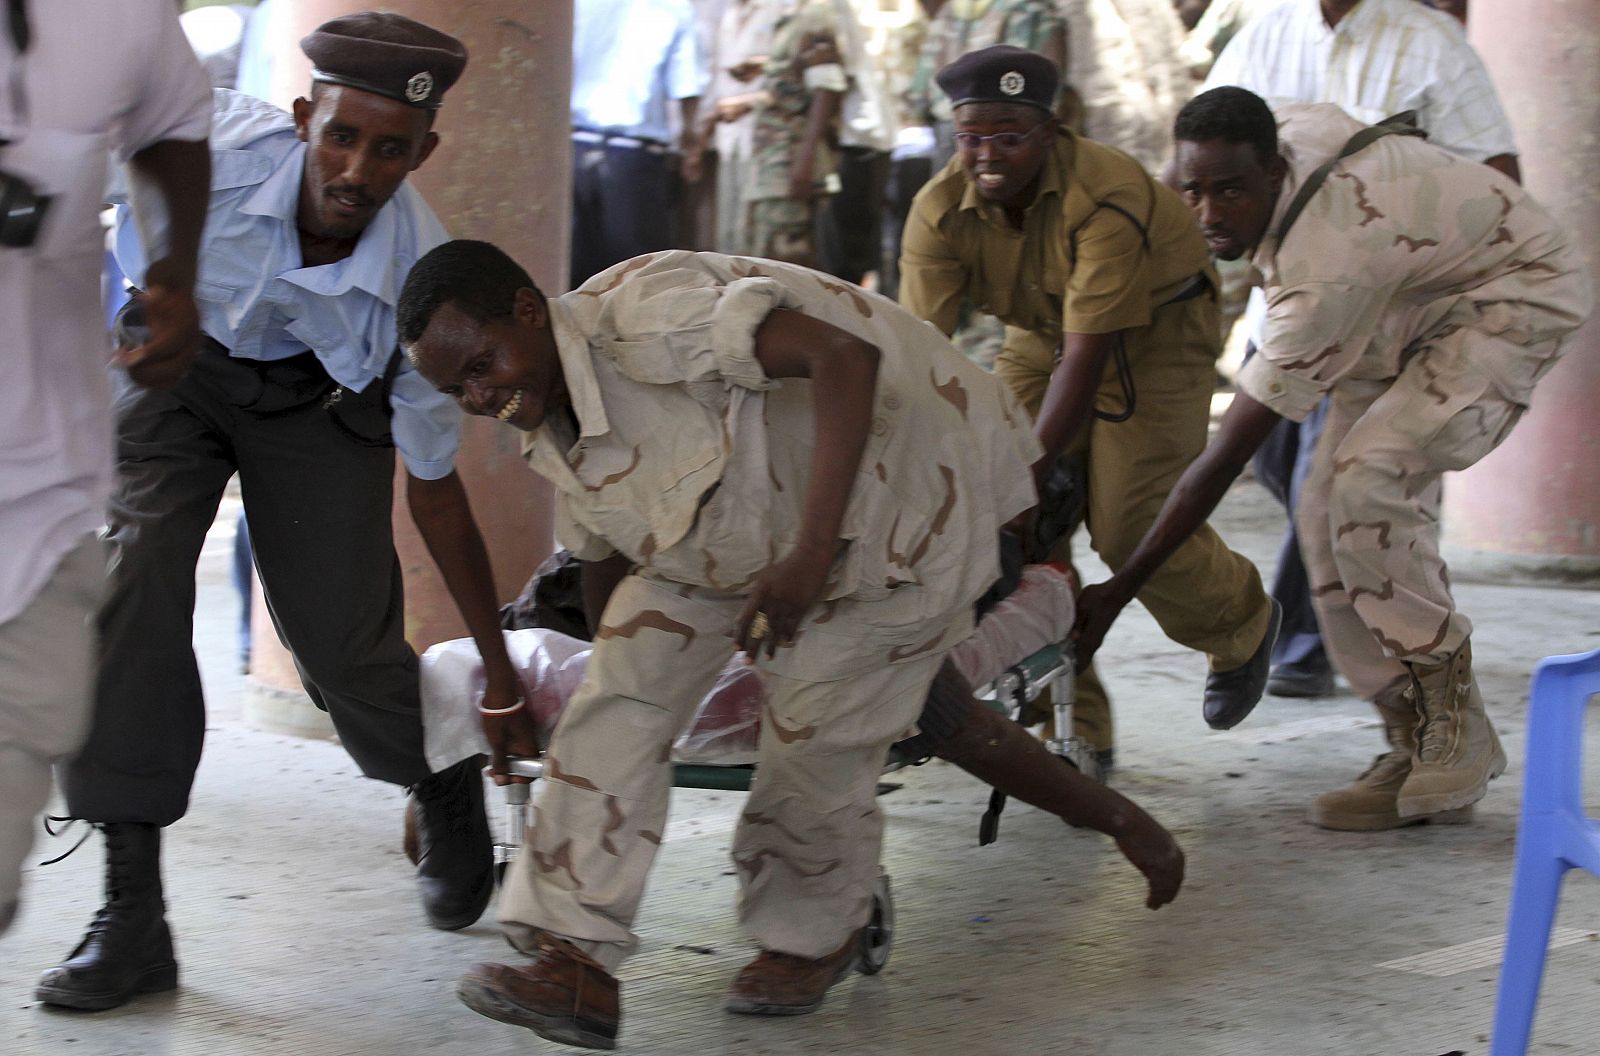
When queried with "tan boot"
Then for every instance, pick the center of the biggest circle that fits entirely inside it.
(1369, 803)
(1458, 753)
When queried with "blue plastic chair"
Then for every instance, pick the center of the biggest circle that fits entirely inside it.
(1555, 836)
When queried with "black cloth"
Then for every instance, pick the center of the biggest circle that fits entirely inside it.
(849, 241)
(319, 501)
(624, 201)
(1001, 74)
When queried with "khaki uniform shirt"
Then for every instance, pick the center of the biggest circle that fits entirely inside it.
(693, 463)
(1403, 241)
(1076, 266)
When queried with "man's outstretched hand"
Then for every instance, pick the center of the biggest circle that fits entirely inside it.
(1097, 609)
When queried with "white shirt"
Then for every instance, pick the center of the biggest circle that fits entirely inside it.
(259, 303)
(1383, 57)
(100, 75)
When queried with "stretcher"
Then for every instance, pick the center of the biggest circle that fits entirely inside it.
(1017, 651)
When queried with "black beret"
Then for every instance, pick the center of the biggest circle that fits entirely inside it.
(389, 55)
(1001, 74)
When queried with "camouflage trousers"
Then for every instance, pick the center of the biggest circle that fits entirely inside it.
(1369, 509)
(806, 846)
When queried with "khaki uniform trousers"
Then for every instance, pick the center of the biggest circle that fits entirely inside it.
(806, 846)
(46, 686)
(1205, 596)
(1369, 509)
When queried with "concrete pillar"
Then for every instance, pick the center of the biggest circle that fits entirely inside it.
(1532, 508)
(502, 173)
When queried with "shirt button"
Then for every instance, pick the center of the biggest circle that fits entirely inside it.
(1275, 388)
(879, 427)
(892, 402)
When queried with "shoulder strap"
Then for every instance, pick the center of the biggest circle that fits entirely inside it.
(1402, 124)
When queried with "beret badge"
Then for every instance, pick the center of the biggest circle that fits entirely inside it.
(1012, 83)
(419, 87)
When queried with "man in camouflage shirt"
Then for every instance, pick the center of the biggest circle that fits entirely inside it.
(1424, 296)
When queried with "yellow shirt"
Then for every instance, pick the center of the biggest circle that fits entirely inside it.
(1076, 266)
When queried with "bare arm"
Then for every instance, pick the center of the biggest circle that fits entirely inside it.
(1190, 502)
(819, 119)
(844, 372)
(443, 517)
(691, 146)
(180, 171)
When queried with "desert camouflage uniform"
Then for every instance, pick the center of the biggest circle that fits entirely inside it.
(806, 58)
(693, 464)
(1425, 294)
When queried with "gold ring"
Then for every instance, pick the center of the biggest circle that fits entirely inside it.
(759, 627)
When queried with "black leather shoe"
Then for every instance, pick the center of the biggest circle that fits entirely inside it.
(128, 948)
(1232, 695)
(455, 855)
(1291, 681)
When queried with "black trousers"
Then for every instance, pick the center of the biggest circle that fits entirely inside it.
(624, 202)
(318, 494)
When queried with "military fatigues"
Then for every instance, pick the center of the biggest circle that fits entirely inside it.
(693, 464)
(1081, 266)
(781, 227)
(1425, 295)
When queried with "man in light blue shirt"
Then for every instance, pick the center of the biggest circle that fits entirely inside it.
(299, 388)
(632, 61)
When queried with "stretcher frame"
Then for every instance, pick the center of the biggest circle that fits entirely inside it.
(1047, 668)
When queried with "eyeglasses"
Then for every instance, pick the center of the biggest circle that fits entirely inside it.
(1005, 142)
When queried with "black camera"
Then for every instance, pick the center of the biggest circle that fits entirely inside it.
(22, 211)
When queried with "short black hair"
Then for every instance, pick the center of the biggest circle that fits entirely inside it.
(1233, 115)
(476, 277)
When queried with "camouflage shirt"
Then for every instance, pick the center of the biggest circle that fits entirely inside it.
(1402, 241)
(806, 57)
(693, 463)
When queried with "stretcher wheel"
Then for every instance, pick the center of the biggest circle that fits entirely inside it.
(877, 938)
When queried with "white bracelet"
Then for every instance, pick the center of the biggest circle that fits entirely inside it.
(500, 711)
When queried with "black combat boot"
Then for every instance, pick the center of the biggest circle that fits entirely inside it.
(455, 855)
(128, 948)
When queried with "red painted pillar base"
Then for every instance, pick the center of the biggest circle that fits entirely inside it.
(1531, 510)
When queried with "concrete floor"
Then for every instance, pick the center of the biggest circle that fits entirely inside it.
(299, 933)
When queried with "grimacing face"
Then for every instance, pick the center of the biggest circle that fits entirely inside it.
(506, 369)
(1004, 176)
(361, 148)
(1230, 191)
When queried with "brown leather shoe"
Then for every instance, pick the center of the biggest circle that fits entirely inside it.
(781, 984)
(564, 995)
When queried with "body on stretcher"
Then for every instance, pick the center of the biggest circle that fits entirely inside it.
(1016, 651)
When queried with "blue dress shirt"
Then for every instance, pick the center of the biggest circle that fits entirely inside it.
(258, 302)
(631, 59)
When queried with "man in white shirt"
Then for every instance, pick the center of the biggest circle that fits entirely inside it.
(145, 97)
(1372, 59)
